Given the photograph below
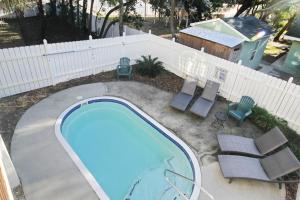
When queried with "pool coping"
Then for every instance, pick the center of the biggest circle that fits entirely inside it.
(169, 135)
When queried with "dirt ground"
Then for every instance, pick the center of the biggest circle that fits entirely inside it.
(10, 34)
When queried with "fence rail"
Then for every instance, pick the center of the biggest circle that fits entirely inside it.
(32, 67)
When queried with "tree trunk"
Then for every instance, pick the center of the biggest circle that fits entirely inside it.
(71, 12)
(63, 12)
(245, 5)
(172, 18)
(91, 16)
(78, 13)
(121, 22)
(291, 20)
(108, 27)
(42, 19)
(109, 13)
(53, 7)
(145, 9)
(84, 8)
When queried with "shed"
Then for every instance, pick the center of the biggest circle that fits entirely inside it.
(291, 63)
(234, 39)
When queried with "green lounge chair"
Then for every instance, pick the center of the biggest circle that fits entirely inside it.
(242, 109)
(124, 68)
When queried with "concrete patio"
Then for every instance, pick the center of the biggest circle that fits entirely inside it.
(47, 171)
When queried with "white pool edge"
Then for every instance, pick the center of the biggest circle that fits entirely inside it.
(87, 174)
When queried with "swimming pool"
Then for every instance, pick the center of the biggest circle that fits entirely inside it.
(125, 154)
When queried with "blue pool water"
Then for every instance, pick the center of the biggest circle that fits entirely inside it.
(125, 153)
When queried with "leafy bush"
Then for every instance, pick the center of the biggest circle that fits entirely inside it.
(147, 66)
(266, 121)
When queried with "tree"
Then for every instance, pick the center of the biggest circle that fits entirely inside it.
(64, 9)
(71, 12)
(290, 21)
(78, 13)
(16, 6)
(145, 4)
(42, 19)
(246, 4)
(53, 7)
(84, 15)
(104, 28)
(172, 18)
(158, 6)
(121, 13)
(91, 16)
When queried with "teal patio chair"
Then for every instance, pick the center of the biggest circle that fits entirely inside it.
(242, 109)
(124, 68)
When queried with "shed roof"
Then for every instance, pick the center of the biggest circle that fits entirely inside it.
(248, 25)
(213, 36)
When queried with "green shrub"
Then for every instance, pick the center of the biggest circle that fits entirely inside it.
(266, 121)
(147, 66)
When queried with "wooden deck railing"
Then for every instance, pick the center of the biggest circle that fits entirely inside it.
(4, 195)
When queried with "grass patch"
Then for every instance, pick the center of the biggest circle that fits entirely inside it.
(266, 121)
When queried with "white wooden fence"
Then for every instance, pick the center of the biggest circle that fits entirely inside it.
(28, 68)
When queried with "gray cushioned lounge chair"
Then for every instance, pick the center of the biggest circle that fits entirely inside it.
(270, 169)
(205, 102)
(256, 147)
(185, 96)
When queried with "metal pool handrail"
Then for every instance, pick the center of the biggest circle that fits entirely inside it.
(186, 178)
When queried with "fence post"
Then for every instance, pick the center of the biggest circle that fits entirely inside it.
(284, 92)
(47, 61)
(237, 74)
(201, 70)
(91, 61)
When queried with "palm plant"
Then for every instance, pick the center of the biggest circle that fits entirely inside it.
(148, 66)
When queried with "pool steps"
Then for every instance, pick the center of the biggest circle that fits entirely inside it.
(140, 190)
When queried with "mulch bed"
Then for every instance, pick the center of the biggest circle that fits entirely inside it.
(13, 107)
(291, 191)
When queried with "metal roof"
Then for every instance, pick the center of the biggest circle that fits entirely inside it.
(213, 36)
(249, 25)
